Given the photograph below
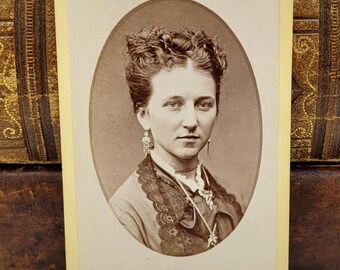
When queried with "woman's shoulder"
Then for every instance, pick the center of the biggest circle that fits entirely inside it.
(131, 207)
(130, 196)
(129, 189)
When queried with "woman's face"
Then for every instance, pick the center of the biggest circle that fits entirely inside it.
(181, 112)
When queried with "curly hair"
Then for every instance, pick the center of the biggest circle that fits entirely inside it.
(158, 49)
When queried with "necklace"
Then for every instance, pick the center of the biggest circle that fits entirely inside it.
(198, 185)
(212, 240)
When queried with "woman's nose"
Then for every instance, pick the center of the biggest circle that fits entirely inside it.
(190, 118)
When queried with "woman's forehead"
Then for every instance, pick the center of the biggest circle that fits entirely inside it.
(183, 81)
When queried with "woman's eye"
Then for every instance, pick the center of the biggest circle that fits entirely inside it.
(173, 105)
(204, 106)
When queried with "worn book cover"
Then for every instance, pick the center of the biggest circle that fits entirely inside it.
(29, 109)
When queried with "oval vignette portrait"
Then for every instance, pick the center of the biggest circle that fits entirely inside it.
(175, 127)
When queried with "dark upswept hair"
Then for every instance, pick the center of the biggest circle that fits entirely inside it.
(158, 49)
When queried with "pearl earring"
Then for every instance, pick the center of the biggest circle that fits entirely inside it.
(208, 147)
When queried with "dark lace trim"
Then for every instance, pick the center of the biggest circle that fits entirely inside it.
(171, 204)
(224, 195)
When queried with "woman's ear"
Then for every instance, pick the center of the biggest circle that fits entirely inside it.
(143, 118)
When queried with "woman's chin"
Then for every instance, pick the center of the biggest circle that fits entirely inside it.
(179, 154)
(187, 154)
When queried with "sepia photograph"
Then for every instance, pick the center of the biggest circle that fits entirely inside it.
(157, 94)
(172, 126)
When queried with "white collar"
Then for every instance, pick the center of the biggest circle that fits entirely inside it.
(192, 184)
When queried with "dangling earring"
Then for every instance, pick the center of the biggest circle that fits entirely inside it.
(208, 147)
(146, 142)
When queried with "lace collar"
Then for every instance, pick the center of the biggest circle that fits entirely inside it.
(193, 185)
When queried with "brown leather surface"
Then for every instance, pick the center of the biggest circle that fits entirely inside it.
(31, 226)
(315, 218)
(31, 219)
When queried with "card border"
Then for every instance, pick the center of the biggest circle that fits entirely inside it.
(285, 76)
(68, 172)
(66, 135)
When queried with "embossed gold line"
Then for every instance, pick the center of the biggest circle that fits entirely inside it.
(305, 44)
(333, 69)
(306, 25)
(13, 130)
(31, 79)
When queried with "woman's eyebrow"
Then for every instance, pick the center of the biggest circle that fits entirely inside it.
(205, 98)
(173, 97)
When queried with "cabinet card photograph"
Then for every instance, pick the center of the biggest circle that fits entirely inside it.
(174, 133)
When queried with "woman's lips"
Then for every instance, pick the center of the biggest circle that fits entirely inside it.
(189, 137)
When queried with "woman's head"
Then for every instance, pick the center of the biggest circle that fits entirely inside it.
(174, 80)
(158, 49)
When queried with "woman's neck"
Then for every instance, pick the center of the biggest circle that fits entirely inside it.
(183, 166)
(189, 174)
